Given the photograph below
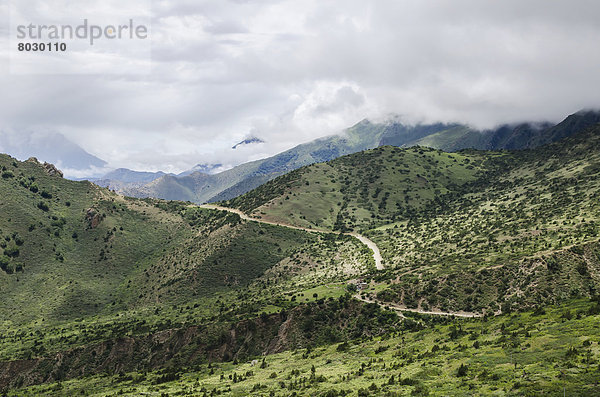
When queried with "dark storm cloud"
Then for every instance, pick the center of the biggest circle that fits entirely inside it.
(290, 71)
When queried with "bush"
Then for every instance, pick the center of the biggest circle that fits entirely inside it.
(7, 174)
(43, 206)
(12, 251)
(4, 261)
(18, 240)
(462, 370)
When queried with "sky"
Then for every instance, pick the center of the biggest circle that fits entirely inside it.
(217, 72)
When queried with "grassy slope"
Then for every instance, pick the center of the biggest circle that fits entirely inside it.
(441, 217)
(523, 354)
(67, 268)
(70, 283)
(529, 223)
(362, 191)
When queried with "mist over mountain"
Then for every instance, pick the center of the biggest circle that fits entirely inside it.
(54, 148)
(248, 141)
(198, 186)
(204, 168)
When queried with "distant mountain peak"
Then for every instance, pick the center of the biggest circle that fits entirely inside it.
(248, 141)
(204, 168)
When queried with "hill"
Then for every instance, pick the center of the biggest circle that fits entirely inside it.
(468, 216)
(81, 266)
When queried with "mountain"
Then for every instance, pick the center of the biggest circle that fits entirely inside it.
(203, 168)
(53, 148)
(128, 176)
(199, 187)
(247, 141)
(364, 135)
(512, 137)
(490, 280)
(124, 180)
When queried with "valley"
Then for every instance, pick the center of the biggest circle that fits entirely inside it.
(390, 271)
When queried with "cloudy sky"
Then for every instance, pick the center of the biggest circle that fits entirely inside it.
(291, 71)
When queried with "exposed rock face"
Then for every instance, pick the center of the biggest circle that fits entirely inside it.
(93, 217)
(52, 170)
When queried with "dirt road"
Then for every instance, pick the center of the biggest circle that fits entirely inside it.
(372, 246)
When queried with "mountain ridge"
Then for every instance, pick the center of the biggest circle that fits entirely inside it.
(364, 135)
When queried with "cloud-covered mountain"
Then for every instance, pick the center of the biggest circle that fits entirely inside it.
(248, 141)
(201, 187)
(204, 168)
(54, 148)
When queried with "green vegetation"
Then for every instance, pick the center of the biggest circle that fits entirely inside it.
(362, 191)
(91, 266)
(472, 231)
(524, 354)
(106, 295)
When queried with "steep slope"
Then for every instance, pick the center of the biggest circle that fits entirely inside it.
(512, 137)
(71, 249)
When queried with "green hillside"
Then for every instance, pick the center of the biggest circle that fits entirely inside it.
(80, 264)
(362, 191)
(108, 295)
(71, 248)
(504, 218)
(547, 352)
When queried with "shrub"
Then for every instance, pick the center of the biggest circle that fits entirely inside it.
(18, 239)
(12, 251)
(43, 206)
(4, 261)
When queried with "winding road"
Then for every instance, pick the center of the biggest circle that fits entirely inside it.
(400, 308)
(372, 246)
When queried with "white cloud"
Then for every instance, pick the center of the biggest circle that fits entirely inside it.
(289, 71)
